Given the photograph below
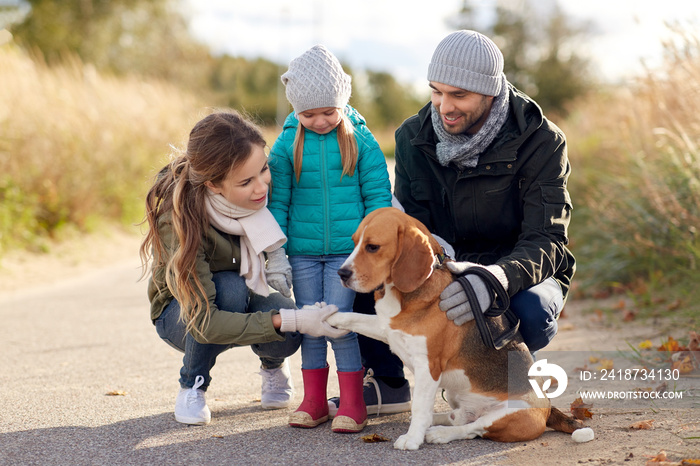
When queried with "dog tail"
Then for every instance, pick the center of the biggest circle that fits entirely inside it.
(561, 422)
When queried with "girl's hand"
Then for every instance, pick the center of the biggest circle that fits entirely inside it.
(278, 272)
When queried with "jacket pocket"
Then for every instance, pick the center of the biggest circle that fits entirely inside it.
(557, 207)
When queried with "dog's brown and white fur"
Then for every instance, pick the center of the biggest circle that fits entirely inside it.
(394, 256)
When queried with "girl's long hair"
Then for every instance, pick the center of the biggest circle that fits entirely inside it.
(346, 143)
(217, 144)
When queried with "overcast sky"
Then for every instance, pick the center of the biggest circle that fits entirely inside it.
(399, 36)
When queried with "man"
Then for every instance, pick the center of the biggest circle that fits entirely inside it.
(486, 172)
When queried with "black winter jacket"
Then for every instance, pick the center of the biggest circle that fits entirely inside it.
(513, 209)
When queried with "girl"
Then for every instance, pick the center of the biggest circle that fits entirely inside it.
(208, 226)
(327, 174)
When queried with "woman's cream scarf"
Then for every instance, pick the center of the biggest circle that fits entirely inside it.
(258, 231)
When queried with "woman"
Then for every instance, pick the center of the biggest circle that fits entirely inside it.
(208, 231)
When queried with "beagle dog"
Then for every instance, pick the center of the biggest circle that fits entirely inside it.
(395, 256)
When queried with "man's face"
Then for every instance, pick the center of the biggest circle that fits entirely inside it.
(460, 111)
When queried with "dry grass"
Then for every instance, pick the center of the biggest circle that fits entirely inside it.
(76, 146)
(636, 179)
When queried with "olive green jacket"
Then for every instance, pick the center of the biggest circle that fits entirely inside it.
(513, 209)
(216, 253)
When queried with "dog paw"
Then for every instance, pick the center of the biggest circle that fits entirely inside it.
(336, 320)
(437, 434)
(407, 442)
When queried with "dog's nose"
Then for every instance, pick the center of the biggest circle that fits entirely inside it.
(344, 273)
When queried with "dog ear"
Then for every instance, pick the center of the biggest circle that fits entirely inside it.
(414, 261)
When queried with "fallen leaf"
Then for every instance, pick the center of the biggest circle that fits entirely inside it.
(646, 344)
(689, 461)
(658, 458)
(643, 425)
(116, 393)
(694, 343)
(628, 315)
(373, 438)
(217, 436)
(671, 345)
(684, 366)
(606, 364)
(676, 304)
(598, 317)
(580, 409)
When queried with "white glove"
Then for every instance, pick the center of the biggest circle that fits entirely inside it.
(278, 272)
(311, 320)
(453, 299)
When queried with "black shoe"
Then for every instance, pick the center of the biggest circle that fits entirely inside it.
(379, 397)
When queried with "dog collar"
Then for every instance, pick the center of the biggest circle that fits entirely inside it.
(440, 258)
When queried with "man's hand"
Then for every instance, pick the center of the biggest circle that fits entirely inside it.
(311, 320)
(278, 272)
(453, 299)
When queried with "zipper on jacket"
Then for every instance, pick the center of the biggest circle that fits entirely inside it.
(326, 194)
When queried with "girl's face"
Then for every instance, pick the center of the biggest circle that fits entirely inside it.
(247, 185)
(321, 120)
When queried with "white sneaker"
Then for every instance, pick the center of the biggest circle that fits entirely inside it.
(190, 406)
(277, 387)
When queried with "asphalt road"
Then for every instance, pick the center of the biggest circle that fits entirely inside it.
(85, 380)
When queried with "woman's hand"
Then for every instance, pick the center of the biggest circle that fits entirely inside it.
(311, 320)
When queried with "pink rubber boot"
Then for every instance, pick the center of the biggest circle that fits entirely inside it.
(352, 414)
(314, 409)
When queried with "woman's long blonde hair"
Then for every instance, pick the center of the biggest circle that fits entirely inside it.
(217, 144)
(346, 143)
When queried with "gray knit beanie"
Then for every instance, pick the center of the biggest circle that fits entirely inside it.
(468, 60)
(316, 80)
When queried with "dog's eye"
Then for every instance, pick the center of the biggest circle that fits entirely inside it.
(371, 248)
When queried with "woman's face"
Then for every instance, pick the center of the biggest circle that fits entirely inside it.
(320, 120)
(247, 185)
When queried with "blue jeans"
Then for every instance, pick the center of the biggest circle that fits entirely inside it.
(232, 295)
(538, 308)
(315, 279)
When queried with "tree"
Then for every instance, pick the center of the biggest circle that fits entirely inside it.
(144, 37)
(539, 51)
(384, 102)
(249, 86)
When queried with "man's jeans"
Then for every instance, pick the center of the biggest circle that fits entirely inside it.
(232, 295)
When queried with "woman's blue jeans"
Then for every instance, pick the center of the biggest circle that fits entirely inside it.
(316, 279)
(232, 295)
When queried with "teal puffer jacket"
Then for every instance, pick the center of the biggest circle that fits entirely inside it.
(320, 213)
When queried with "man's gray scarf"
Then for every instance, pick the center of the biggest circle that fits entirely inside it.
(464, 149)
